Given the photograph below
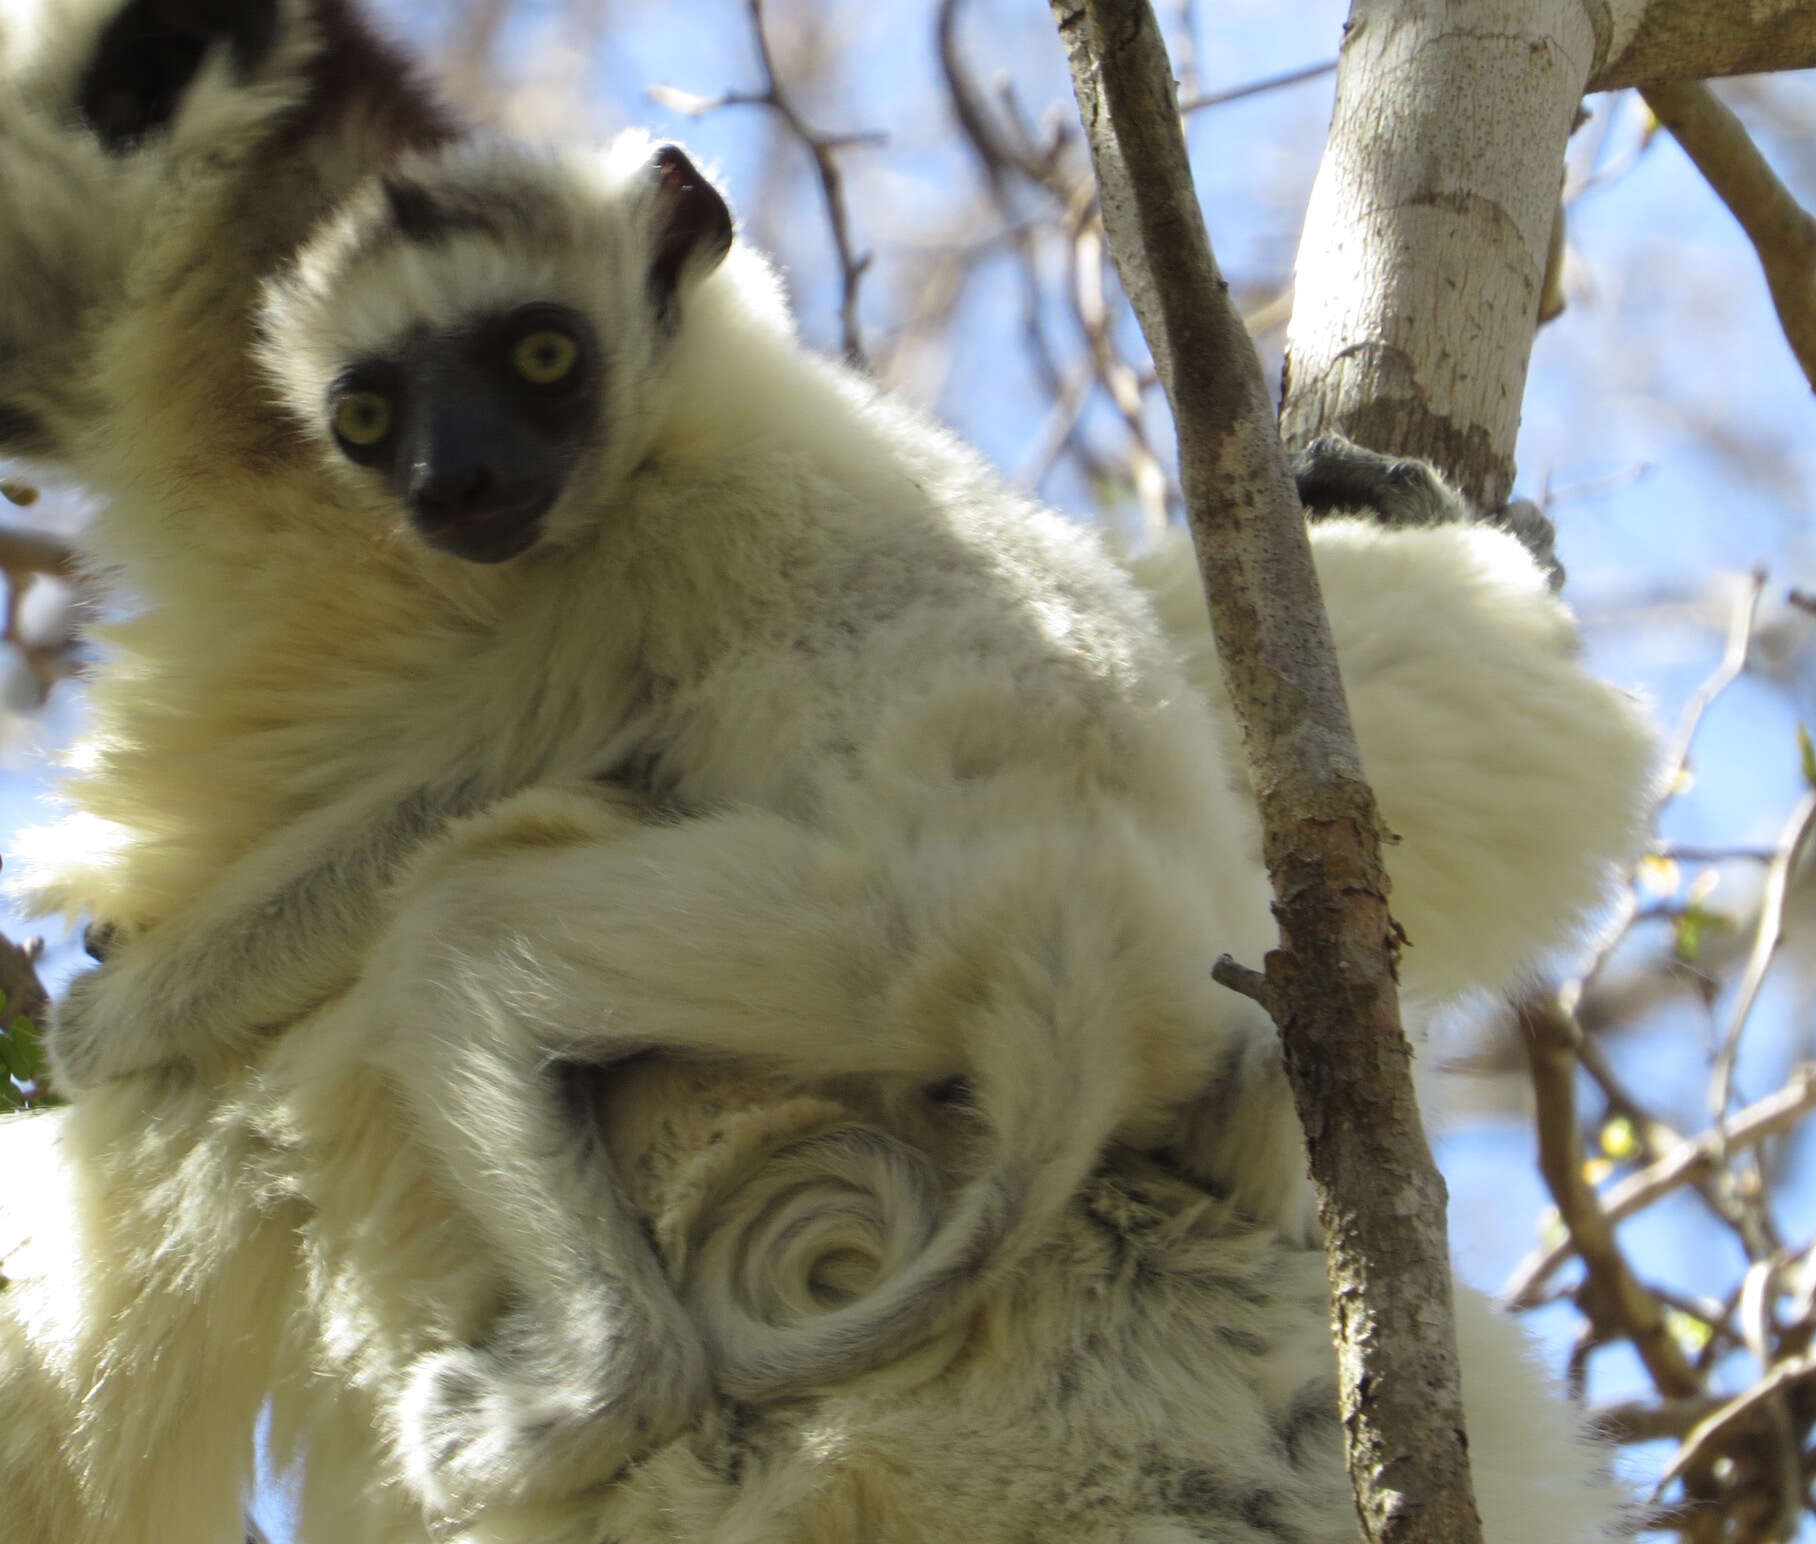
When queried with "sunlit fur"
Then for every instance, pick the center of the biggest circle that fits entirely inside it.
(941, 798)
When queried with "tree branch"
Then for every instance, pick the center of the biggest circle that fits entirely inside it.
(1703, 1441)
(1778, 1112)
(1768, 934)
(1781, 230)
(1612, 1297)
(1422, 261)
(1647, 42)
(1380, 1196)
(1430, 224)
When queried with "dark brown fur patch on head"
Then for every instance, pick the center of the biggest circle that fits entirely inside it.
(357, 71)
(23, 432)
(425, 217)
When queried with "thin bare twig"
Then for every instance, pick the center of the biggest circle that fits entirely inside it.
(1697, 852)
(1741, 1463)
(1647, 1420)
(822, 147)
(1006, 155)
(1742, 618)
(1612, 1298)
(1118, 378)
(1778, 1112)
(1194, 104)
(1768, 933)
(1704, 1440)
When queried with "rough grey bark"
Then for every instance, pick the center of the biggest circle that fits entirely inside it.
(1330, 986)
(1645, 42)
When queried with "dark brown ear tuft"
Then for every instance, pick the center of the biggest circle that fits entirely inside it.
(692, 226)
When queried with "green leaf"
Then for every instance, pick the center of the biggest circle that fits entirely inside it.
(1690, 1331)
(1689, 936)
(1620, 1140)
(25, 1051)
(1806, 753)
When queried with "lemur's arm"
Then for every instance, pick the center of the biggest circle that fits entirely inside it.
(67, 216)
(283, 930)
(129, 153)
(87, 144)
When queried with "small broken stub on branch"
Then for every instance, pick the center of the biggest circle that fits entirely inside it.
(1252, 984)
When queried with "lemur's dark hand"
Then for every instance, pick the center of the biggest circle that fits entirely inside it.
(1337, 477)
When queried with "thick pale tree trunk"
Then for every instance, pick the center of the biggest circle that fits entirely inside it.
(1420, 268)
(1424, 252)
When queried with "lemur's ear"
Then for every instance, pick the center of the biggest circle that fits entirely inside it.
(692, 225)
(148, 54)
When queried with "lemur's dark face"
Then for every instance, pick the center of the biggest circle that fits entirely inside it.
(484, 333)
(478, 428)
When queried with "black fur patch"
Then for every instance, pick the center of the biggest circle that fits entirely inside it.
(99, 940)
(647, 789)
(22, 431)
(1307, 1429)
(149, 53)
(426, 219)
(1333, 474)
(1199, 1494)
(581, 1090)
(954, 1091)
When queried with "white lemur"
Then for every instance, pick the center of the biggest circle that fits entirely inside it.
(841, 758)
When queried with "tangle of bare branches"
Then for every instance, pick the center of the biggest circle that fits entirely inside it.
(1740, 1472)
(824, 149)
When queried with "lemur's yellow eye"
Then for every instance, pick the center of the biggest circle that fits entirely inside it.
(545, 356)
(363, 417)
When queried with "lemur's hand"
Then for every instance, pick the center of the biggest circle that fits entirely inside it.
(1336, 477)
(106, 1026)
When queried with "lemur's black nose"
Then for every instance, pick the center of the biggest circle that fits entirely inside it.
(478, 486)
(450, 491)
